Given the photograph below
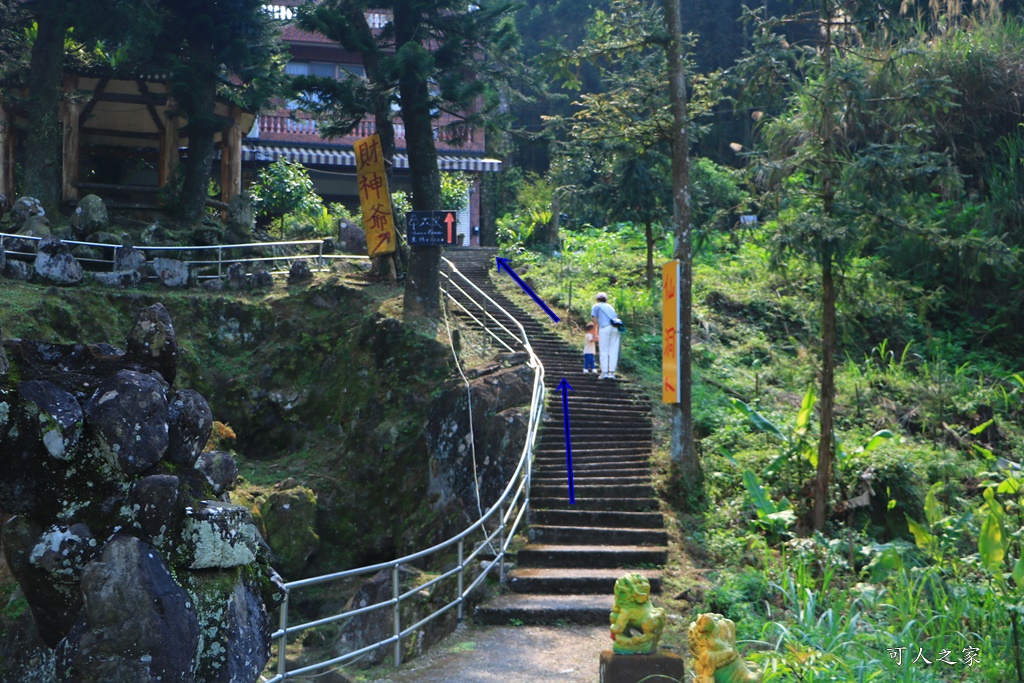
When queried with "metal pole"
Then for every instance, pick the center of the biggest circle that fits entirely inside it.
(282, 643)
(461, 569)
(219, 260)
(398, 615)
(501, 546)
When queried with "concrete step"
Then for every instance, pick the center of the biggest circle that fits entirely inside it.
(591, 556)
(556, 535)
(563, 581)
(640, 474)
(591, 463)
(552, 478)
(622, 520)
(560, 501)
(600, 491)
(534, 610)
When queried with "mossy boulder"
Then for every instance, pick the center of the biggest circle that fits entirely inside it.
(289, 517)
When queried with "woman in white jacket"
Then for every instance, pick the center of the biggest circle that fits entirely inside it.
(603, 314)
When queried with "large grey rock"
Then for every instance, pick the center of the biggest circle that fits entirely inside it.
(54, 416)
(172, 272)
(500, 405)
(352, 239)
(23, 208)
(82, 429)
(240, 622)
(289, 516)
(154, 502)
(128, 258)
(55, 263)
(3, 256)
(128, 412)
(40, 426)
(213, 284)
(89, 216)
(220, 536)
(376, 625)
(17, 270)
(138, 624)
(220, 470)
(237, 277)
(152, 342)
(262, 279)
(127, 278)
(299, 273)
(54, 607)
(190, 421)
(241, 214)
(63, 551)
(36, 226)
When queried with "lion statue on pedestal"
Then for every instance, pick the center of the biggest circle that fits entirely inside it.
(636, 623)
(713, 647)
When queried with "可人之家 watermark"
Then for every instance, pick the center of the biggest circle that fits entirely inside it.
(969, 656)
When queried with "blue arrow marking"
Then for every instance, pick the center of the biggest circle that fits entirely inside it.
(503, 263)
(565, 387)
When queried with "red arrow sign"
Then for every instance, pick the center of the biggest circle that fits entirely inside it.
(449, 220)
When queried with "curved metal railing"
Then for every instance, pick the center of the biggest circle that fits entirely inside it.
(507, 513)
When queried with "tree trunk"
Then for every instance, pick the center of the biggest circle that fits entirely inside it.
(649, 234)
(828, 389)
(828, 299)
(684, 452)
(44, 141)
(423, 283)
(200, 107)
(556, 221)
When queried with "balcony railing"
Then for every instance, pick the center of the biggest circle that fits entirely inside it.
(301, 128)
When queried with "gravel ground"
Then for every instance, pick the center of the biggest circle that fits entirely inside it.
(509, 654)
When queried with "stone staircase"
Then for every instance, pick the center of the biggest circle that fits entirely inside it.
(576, 552)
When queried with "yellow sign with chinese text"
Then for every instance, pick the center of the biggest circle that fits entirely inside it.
(670, 313)
(374, 198)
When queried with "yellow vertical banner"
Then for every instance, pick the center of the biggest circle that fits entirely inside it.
(670, 377)
(374, 198)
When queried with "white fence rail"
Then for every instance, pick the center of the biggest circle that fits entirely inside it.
(496, 527)
(202, 260)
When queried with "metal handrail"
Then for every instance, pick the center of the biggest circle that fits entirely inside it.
(320, 257)
(504, 509)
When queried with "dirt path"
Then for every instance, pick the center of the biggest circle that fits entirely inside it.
(508, 654)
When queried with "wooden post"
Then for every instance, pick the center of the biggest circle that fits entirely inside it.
(7, 137)
(70, 109)
(169, 143)
(231, 157)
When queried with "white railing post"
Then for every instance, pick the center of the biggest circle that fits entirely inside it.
(461, 571)
(282, 644)
(220, 260)
(395, 591)
(501, 545)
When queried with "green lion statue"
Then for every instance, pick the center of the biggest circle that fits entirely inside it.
(636, 623)
(713, 647)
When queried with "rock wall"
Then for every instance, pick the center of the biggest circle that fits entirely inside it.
(132, 568)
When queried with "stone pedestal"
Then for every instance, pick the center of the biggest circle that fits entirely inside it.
(616, 668)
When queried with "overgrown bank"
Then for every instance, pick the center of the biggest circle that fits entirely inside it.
(318, 384)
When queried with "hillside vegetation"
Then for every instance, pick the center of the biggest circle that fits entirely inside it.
(929, 423)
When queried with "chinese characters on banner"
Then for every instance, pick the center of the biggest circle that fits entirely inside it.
(374, 198)
(670, 332)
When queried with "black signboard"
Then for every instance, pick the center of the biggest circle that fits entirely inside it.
(426, 228)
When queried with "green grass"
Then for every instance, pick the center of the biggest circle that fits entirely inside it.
(820, 607)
